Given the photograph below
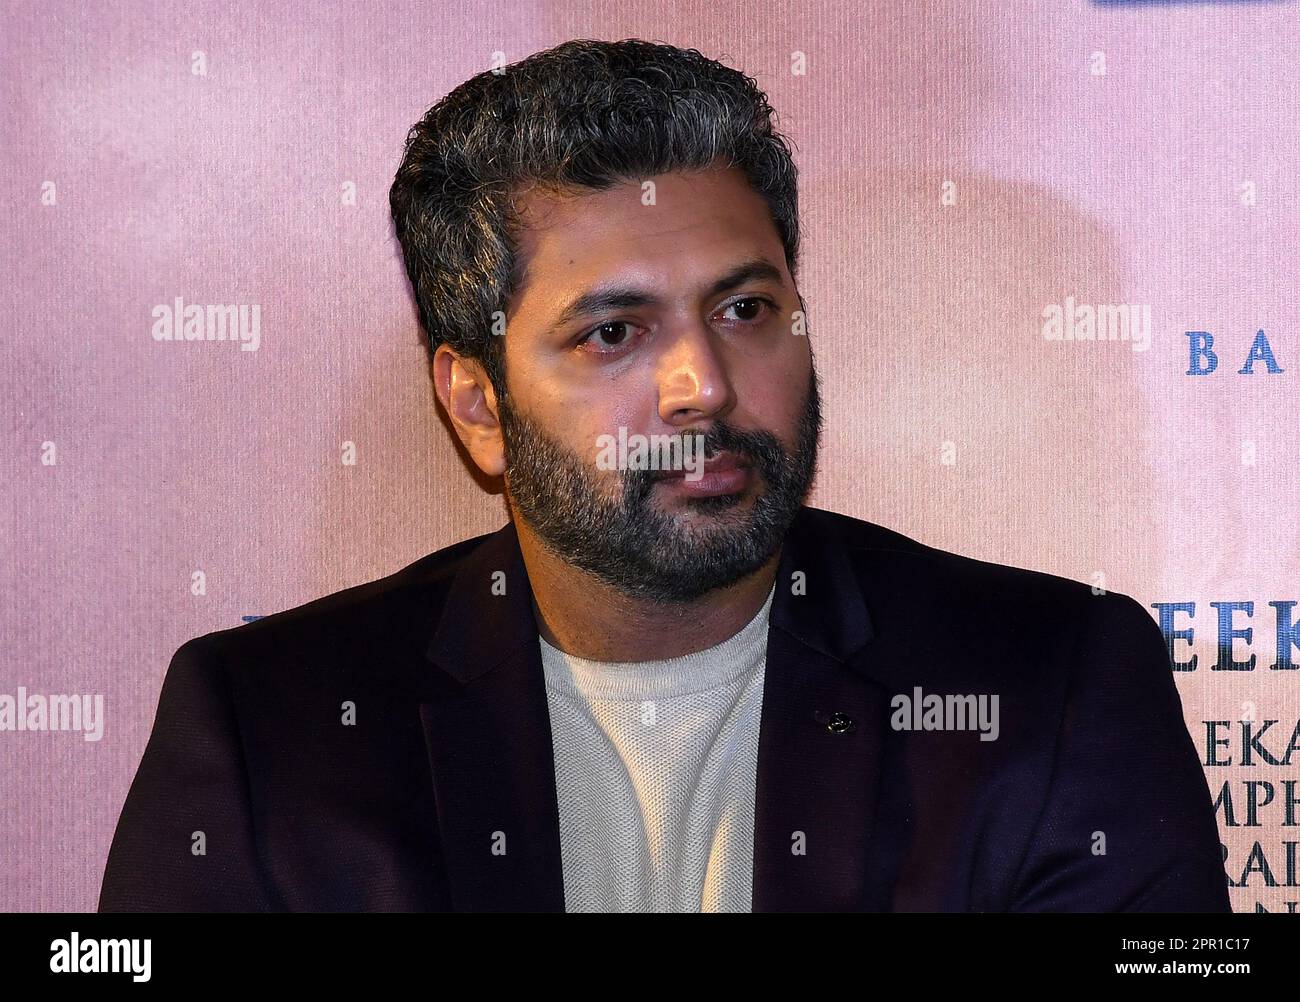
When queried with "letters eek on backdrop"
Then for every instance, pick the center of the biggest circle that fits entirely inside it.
(983, 184)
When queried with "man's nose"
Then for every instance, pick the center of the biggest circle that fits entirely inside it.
(693, 382)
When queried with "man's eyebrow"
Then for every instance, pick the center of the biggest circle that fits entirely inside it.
(624, 297)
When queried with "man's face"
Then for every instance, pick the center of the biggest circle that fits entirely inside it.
(676, 318)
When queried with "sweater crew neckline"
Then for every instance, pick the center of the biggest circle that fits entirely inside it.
(640, 680)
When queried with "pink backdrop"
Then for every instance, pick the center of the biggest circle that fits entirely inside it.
(964, 167)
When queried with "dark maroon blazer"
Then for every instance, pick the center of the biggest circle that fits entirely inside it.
(451, 743)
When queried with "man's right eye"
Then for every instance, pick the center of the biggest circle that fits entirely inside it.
(607, 338)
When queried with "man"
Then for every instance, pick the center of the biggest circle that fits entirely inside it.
(663, 685)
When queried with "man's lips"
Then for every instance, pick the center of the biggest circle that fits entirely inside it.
(725, 473)
(723, 462)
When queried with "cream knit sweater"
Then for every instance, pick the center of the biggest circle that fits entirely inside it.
(655, 766)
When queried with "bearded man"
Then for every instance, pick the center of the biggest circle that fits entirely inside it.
(661, 686)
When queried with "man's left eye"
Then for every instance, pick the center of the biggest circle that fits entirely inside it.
(750, 309)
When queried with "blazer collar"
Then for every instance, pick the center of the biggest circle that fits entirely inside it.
(488, 615)
(492, 761)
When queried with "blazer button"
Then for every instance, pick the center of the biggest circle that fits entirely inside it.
(836, 722)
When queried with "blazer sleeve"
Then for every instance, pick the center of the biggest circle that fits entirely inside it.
(191, 780)
(1128, 823)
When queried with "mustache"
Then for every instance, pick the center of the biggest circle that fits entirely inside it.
(760, 449)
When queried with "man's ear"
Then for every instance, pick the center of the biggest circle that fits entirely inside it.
(466, 392)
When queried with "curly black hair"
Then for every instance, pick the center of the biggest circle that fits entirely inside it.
(587, 114)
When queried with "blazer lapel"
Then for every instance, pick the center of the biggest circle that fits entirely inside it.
(822, 734)
(824, 717)
(489, 741)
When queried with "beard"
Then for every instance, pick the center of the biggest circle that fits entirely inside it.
(627, 542)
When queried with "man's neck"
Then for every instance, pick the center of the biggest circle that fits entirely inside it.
(588, 618)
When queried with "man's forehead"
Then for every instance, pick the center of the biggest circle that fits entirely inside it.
(580, 229)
